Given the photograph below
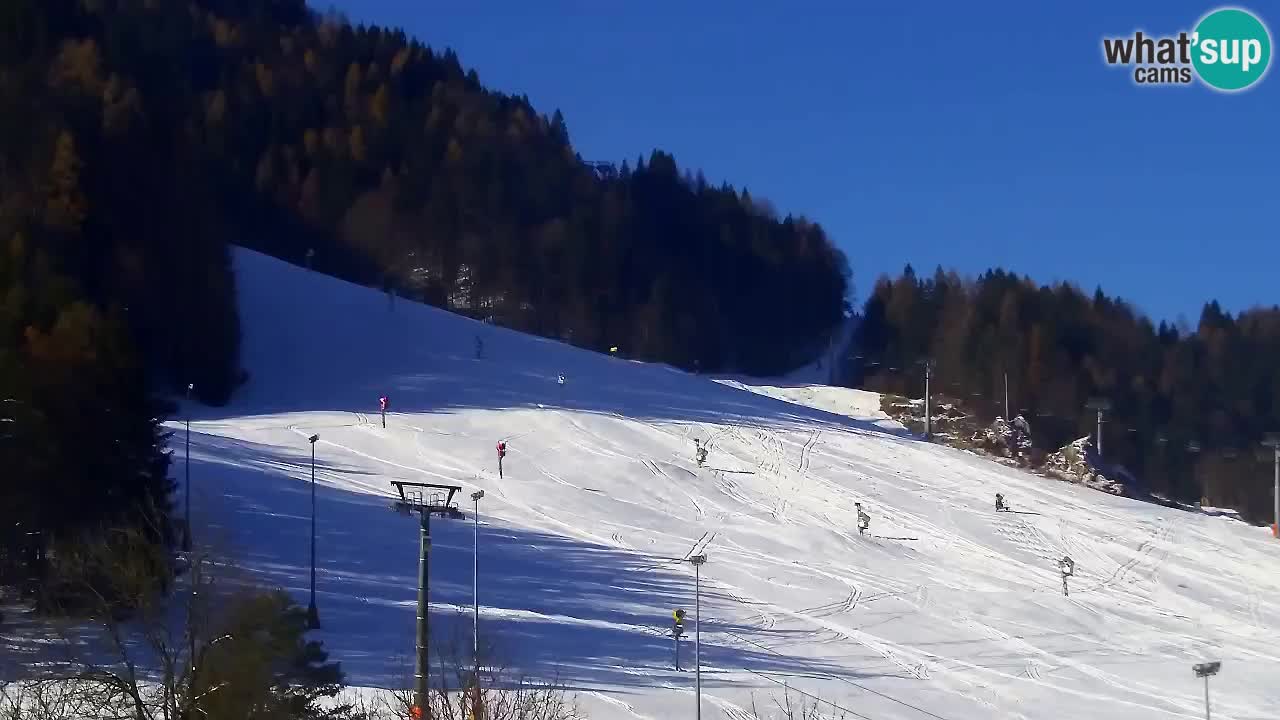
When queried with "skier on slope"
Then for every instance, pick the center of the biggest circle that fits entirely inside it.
(502, 452)
(383, 403)
(864, 520)
(700, 453)
(1000, 503)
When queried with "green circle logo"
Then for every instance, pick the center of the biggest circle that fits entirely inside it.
(1232, 49)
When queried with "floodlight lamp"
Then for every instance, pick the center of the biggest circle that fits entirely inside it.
(313, 439)
(1272, 440)
(191, 386)
(1207, 669)
(698, 559)
(477, 495)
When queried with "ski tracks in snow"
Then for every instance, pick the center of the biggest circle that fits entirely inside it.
(1143, 561)
(806, 452)
(700, 545)
(655, 470)
(774, 456)
(621, 704)
(844, 605)
(771, 461)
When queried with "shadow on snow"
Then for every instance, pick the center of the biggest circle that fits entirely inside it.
(594, 615)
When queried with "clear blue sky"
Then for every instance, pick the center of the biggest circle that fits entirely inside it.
(963, 134)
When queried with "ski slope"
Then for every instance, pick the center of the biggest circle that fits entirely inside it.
(945, 610)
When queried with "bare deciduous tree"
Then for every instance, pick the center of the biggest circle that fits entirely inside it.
(494, 691)
(795, 705)
(43, 700)
(213, 649)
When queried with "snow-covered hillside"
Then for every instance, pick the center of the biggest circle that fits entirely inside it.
(853, 403)
(946, 609)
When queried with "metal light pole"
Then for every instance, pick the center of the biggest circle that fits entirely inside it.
(697, 561)
(422, 658)
(475, 584)
(1006, 397)
(1193, 447)
(313, 615)
(1273, 441)
(1206, 671)
(186, 535)
(1162, 440)
(426, 499)
(928, 416)
(1101, 405)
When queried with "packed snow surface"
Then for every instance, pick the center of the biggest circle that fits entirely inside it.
(945, 609)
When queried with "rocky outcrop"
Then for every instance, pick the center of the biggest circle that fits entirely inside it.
(949, 421)
(1006, 439)
(1079, 463)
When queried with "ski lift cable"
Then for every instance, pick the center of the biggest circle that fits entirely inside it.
(890, 698)
(792, 688)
